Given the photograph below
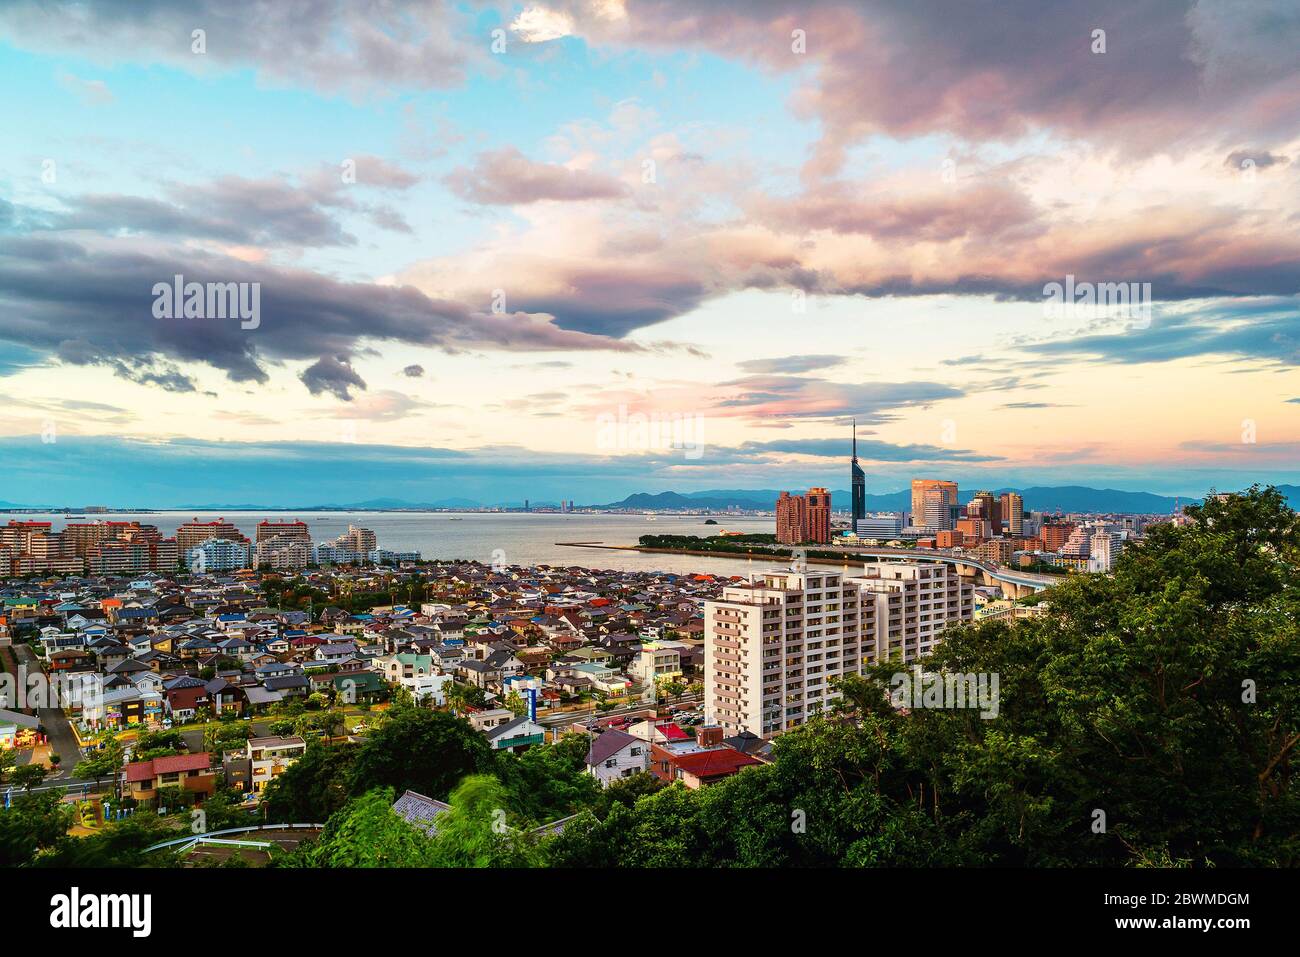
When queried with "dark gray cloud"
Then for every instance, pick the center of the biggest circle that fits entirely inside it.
(99, 309)
(413, 371)
(1260, 159)
(333, 374)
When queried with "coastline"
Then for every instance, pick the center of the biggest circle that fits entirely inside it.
(738, 556)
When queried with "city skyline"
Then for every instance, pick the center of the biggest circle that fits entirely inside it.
(485, 237)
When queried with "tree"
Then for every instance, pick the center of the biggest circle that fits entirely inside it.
(35, 822)
(548, 782)
(476, 831)
(425, 751)
(312, 788)
(515, 703)
(367, 833)
(672, 688)
(1162, 696)
(28, 776)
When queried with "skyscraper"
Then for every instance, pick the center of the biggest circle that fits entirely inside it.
(947, 496)
(1013, 512)
(859, 483)
(984, 505)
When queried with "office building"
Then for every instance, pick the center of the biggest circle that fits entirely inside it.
(1013, 512)
(947, 494)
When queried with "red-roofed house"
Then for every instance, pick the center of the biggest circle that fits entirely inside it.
(192, 772)
(698, 767)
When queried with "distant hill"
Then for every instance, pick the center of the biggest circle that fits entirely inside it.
(373, 504)
(1050, 498)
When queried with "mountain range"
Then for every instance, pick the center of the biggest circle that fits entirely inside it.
(1046, 498)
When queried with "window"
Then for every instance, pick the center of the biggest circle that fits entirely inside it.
(636, 752)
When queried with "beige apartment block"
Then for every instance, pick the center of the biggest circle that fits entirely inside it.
(773, 646)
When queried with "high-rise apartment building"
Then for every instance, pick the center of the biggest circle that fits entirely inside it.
(1104, 549)
(804, 518)
(819, 515)
(218, 555)
(295, 530)
(1054, 535)
(283, 553)
(772, 647)
(791, 518)
(195, 533)
(913, 603)
(358, 539)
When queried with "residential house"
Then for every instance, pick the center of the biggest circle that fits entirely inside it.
(616, 754)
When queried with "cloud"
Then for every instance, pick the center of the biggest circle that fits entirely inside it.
(100, 310)
(413, 371)
(995, 70)
(770, 398)
(1259, 159)
(984, 212)
(800, 397)
(1262, 330)
(359, 47)
(538, 25)
(809, 363)
(508, 178)
(90, 92)
(333, 374)
(385, 406)
(869, 450)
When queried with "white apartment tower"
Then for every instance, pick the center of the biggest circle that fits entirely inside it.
(913, 603)
(1105, 548)
(772, 647)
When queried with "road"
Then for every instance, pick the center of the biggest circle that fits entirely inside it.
(57, 727)
(564, 718)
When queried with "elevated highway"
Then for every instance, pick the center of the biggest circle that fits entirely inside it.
(1017, 584)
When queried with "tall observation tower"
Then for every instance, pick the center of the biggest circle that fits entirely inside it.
(859, 483)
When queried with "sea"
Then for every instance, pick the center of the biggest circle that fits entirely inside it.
(516, 538)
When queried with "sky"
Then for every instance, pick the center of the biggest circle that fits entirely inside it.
(575, 250)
